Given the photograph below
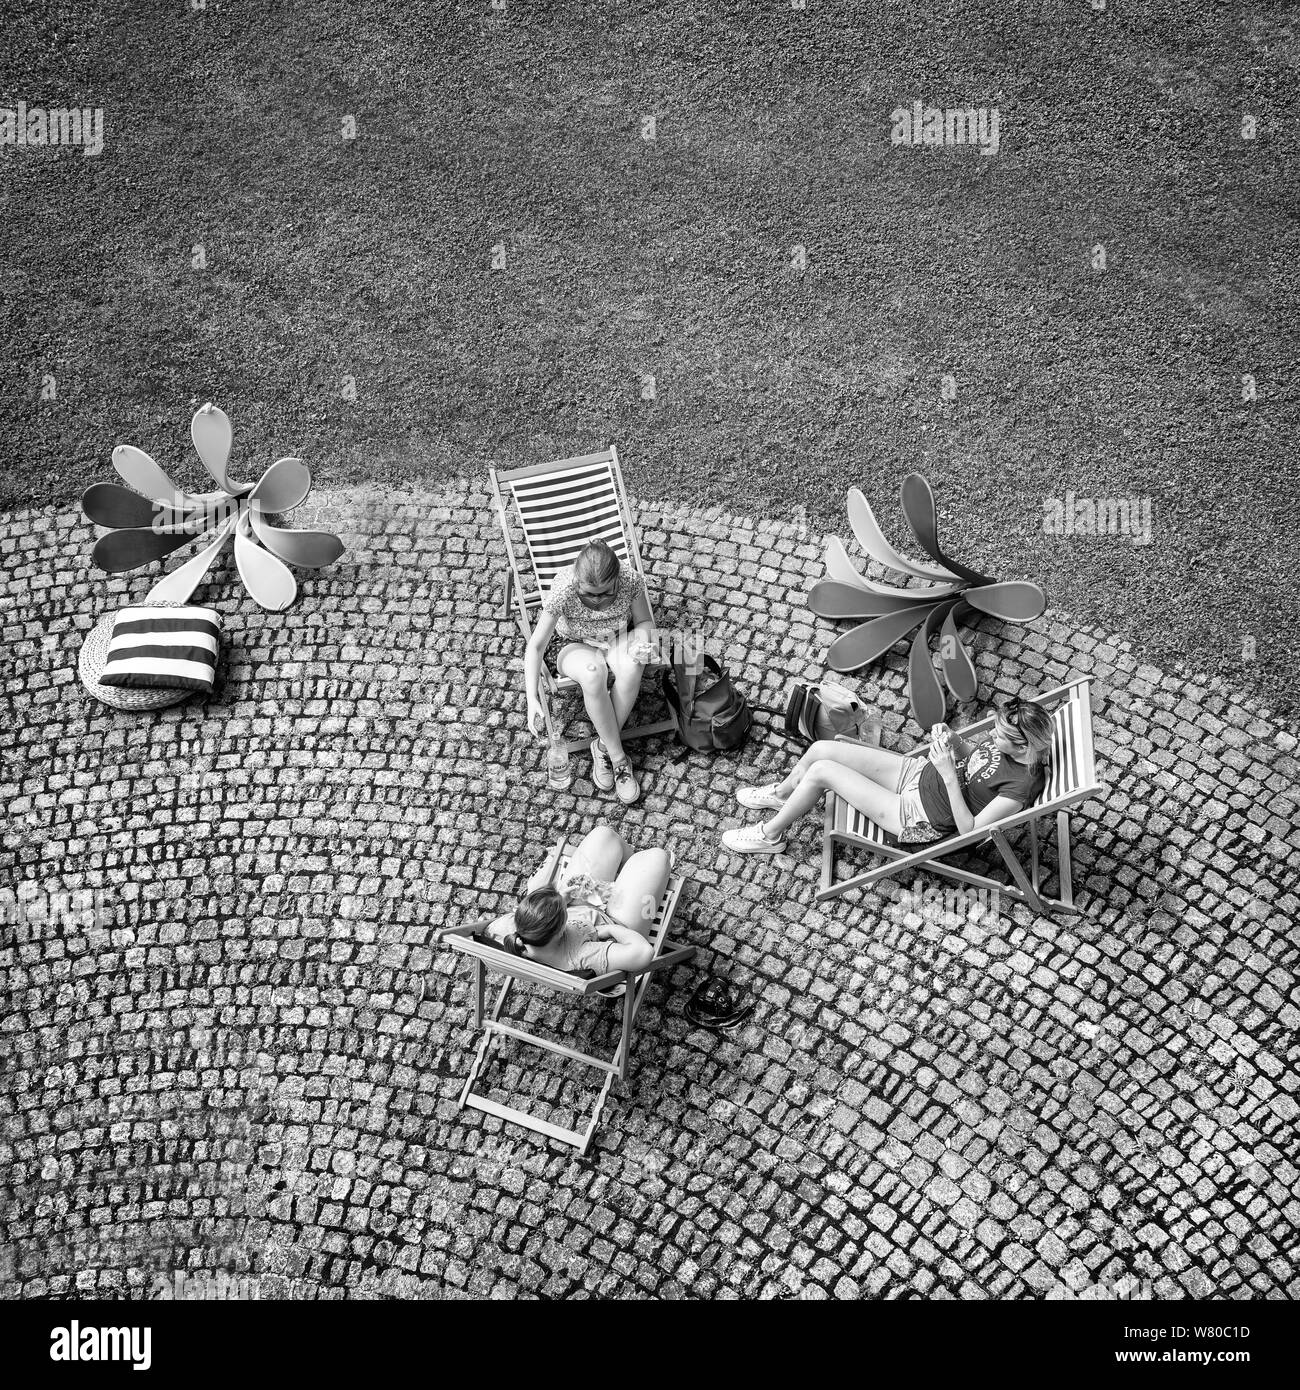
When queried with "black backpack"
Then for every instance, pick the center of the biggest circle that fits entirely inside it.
(712, 718)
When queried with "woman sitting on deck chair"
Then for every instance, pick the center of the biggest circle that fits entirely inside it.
(959, 787)
(599, 915)
(600, 611)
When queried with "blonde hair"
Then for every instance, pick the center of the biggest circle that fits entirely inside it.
(1034, 725)
(596, 565)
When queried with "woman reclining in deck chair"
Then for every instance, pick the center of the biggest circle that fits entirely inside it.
(589, 605)
(960, 786)
(599, 915)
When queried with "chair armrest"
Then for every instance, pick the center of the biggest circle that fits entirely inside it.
(665, 960)
(465, 928)
(599, 983)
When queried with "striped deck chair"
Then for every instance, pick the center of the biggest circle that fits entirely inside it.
(473, 941)
(559, 507)
(1072, 778)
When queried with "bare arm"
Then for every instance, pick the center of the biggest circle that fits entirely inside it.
(536, 650)
(967, 820)
(630, 951)
(945, 764)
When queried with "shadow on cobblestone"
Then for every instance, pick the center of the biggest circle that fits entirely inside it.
(216, 920)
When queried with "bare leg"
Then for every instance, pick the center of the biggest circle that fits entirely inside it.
(587, 666)
(639, 888)
(600, 854)
(878, 765)
(627, 671)
(822, 776)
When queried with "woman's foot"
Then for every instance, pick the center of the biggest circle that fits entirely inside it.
(626, 787)
(602, 770)
(751, 840)
(760, 798)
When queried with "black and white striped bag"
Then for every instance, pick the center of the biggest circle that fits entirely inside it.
(164, 647)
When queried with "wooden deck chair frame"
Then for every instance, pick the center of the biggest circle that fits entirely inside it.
(1026, 885)
(489, 958)
(523, 601)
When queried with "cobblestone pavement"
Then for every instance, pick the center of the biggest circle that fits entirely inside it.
(217, 918)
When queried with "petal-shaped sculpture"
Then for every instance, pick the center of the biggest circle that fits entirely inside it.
(140, 472)
(958, 669)
(1016, 600)
(211, 433)
(312, 550)
(829, 599)
(282, 487)
(872, 539)
(867, 641)
(180, 584)
(923, 689)
(841, 568)
(918, 508)
(120, 551)
(115, 506)
(268, 581)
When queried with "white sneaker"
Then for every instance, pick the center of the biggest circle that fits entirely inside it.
(626, 787)
(602, 770)
(760, 798)
(751, 840)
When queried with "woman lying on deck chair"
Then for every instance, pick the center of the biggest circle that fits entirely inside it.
(960, 786)
(599, 915)
(599, 610)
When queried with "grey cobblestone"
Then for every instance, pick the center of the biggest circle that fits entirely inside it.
(214, 1060)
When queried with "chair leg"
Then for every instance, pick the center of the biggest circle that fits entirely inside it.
(485, 1043)
(1065, 868)
(828, 844)
(1027, 890)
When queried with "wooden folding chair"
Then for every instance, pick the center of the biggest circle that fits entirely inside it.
(559, 507)
(473, 941)
(1071, 778)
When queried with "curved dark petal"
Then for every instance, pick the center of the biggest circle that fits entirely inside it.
(111, 504)
(120, 551)
(958, 668)
(918, 508)
(872, 539)
(866, 642)
(828, 598)
(1016, 601)
(923, 690)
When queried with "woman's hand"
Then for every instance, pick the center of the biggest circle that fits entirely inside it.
(536, 717)
(944, 762)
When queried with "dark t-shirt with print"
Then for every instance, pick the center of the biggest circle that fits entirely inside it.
(986, 775)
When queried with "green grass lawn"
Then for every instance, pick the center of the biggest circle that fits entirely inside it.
(626, 258)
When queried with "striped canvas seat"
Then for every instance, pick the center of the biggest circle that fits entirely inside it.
(1071, 779)
(557, 508)
(468, 940)
(1070, 769)
(561, 511)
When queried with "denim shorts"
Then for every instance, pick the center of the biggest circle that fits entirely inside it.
(916, 826)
